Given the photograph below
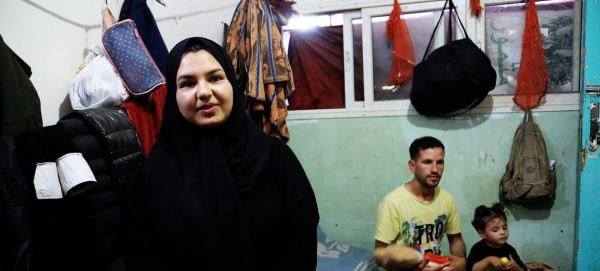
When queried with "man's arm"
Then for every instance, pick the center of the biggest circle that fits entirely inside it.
(397, 257)
(379, 244)
(458, 251)
(379, 253)
(457, 245)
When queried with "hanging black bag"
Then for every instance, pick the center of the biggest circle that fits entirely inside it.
(454, 78)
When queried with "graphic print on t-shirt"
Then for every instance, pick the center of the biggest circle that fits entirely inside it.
(422, 236)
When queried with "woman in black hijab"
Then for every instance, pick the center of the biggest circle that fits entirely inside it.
(217, 194)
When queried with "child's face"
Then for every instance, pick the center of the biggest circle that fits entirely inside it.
(495, 233)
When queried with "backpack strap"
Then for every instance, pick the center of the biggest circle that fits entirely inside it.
(528, 117)
(452, 7)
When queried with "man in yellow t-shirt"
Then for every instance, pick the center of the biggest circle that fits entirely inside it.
(418, 214)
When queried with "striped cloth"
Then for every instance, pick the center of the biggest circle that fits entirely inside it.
(255, 46)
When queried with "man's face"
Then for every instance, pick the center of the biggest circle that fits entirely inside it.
(428, 167)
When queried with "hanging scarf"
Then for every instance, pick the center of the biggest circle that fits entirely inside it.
(532, 79)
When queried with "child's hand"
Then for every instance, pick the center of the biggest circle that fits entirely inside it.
(502, 263)
(511, 264)
(495, 262)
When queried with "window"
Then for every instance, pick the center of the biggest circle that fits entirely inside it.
(315, 48)
(419, 24)
(503, 32)
(366, 53)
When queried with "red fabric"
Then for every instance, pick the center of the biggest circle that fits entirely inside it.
(403, 56)
(158, 98)
(476, 8)
(146, 115)
(317, 61)
(532, 79)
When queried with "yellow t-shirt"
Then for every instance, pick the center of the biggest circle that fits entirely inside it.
(404, 219)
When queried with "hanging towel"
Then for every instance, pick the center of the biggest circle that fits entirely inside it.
(255, 46)
(403, 56)
(532, 79)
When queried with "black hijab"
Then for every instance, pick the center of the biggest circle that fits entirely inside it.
(195, 178)
(244, 146)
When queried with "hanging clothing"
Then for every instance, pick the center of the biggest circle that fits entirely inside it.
(77, 232)
(221, 198)
(19, 102)
(51, 239)
(146, 111)
(313, 54)
(403, 55)
(532, 80)
(256, 49)
(15, 212)
(139, 12)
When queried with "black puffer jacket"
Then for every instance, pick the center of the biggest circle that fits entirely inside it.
(82, 232)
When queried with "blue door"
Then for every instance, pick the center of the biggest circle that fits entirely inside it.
(588, 229)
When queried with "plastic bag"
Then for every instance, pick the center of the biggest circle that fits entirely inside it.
(96, 85)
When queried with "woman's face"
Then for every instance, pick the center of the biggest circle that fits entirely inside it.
(204, 94)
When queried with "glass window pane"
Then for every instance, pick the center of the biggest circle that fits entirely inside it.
(420, 26)
(315, 48)
(358, 60)
(504, 31)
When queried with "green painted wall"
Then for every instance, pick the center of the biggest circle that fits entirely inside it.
(353, 162)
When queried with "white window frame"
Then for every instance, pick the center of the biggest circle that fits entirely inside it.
(475, 30)
(349, 61)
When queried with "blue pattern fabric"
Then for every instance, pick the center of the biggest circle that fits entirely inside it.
(333, 256)
(140, 13)
(130, 57)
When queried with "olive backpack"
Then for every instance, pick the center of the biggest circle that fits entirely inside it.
(529, 176)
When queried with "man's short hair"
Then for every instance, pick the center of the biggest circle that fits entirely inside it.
(423, 143)
(484, 214)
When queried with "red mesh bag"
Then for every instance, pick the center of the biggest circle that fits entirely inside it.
(403, 56)
(532, 79)
(476, 8)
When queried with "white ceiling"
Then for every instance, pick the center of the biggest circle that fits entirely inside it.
(86, 13)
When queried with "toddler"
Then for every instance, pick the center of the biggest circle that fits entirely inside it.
(492, 252)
